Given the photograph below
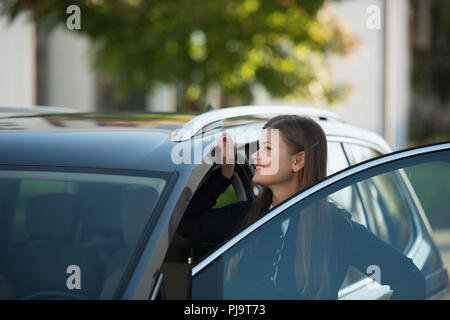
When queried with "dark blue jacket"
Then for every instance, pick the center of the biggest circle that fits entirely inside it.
(353, 245)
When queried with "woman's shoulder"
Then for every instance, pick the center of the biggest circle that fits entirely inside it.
(341, 216)
(346, 228)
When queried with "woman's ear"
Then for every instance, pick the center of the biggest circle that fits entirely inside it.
(298, 161)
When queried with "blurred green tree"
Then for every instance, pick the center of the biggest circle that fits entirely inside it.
(429, 119)
(280, 44)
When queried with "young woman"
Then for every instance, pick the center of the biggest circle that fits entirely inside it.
(326, 240)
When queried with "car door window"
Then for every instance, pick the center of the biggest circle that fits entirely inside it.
(359, 153)
(260, 262)
(348, 197)
(336, 160)
(430, 198)
(386, 202)
(394, 223)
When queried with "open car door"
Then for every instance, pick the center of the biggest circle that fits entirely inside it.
(390, 195)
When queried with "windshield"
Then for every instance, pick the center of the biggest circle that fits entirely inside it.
(70, 234)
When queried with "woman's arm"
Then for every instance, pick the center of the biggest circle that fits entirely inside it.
(363, 249)
(203, 223)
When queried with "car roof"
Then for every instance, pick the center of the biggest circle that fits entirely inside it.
(124, 140)
(139, 141)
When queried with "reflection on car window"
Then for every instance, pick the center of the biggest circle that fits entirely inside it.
(395, 220)
(70, 231)
(385, 201)
(435, 208)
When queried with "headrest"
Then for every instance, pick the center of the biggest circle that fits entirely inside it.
(53, 216)
(139, 205)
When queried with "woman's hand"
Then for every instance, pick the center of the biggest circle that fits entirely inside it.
(227, 158)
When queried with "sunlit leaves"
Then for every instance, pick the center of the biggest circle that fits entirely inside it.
(197, 46)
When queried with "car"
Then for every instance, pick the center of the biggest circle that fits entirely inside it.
(90, 203)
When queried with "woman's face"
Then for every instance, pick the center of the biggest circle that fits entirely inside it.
(274, 165)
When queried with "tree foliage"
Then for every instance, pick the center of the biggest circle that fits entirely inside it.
(280, 44)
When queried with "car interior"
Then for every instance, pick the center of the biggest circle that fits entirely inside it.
(183, 253)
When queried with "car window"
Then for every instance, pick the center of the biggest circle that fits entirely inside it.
(359, 153)
(348, 197)
(336, 160)
(386, 202)
(72, 234)
(430, 198)
(29, 189)
(261, 262)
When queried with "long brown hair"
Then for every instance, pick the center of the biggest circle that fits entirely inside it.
(314, 236)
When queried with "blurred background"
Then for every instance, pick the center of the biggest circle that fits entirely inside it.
(382, 65)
